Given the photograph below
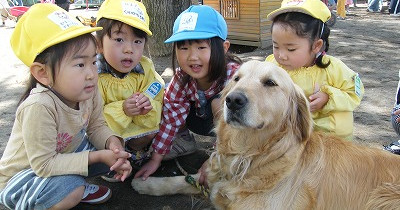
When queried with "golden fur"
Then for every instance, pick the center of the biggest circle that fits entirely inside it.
(267, 156)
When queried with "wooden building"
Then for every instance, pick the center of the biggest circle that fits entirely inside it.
(247, 20)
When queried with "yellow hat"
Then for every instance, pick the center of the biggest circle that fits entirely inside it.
(41, 27)
(130, 12)
(314, 8)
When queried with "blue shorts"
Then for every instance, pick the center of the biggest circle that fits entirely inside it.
(26, 190)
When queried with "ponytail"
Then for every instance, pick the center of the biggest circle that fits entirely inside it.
(324, 34)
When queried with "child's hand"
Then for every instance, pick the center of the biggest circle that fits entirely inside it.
(318, 101)
(150, 167)
(143, 103)
(130, 107)
(123, 171)
(119, 163)
(115, 159)
(113, 143)
(122, 165)
(109, 158)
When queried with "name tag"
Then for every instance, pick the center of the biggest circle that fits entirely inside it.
(154, 89)
(357, 82)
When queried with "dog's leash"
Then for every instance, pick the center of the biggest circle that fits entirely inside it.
(189, 179)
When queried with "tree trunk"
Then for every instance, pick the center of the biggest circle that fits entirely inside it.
(162, 15)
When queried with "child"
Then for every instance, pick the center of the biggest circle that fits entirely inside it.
(341, 9)
(300, 42)
(132, 90)
(395, 117)
(4, 11)
(59, 122)
(191, 99)
(347, 5)
(394, 147)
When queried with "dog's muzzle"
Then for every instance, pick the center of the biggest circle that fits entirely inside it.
(236, 101)
(235, 104)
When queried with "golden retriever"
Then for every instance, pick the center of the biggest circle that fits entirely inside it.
(268, 157)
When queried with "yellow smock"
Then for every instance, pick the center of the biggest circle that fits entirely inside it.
(344, 88)
(115, 91)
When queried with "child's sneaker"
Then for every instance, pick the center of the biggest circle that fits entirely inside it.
(393, 147)
(183, 144)
(96, 194)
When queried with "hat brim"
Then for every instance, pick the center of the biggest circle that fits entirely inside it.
(189, 35)
(71, 34)
(279, 11)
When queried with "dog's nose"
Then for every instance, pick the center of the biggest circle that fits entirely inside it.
(235, 101)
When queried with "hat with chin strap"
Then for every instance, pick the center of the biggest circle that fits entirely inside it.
(314, 8)
(43, 26)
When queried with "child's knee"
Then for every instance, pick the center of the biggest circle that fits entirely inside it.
(72, 199)
(150, 137)
(77, 194)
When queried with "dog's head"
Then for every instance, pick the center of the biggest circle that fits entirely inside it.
(262, 97)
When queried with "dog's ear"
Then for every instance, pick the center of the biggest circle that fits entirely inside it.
(301, 116)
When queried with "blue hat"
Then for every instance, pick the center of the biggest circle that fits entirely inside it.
(198, 22)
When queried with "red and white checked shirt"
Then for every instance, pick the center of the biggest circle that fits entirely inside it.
(177, 106)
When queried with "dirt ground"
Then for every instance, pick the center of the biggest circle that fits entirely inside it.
(368, 43)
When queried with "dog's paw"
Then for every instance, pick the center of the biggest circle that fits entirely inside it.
(151, 186)
(163, 186)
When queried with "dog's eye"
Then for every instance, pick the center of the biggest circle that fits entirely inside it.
(269, 82)
(236, 78)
